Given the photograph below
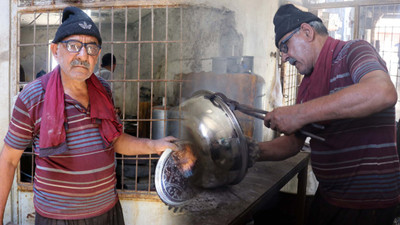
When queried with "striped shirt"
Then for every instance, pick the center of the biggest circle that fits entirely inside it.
(358, 165)
(79, 183)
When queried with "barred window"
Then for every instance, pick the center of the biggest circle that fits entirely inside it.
(146, 42)
(156, 47)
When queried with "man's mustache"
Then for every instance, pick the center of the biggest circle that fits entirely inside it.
(292, 61)
(77, 62)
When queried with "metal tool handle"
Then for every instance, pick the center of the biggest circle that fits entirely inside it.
(260, 114)
(306, 133)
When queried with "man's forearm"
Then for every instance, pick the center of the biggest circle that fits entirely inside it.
(130, 145)
(6, 179)
(280, 148)
(374, 93)
(9, 159)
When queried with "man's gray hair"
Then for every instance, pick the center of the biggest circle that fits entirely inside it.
(319, 27)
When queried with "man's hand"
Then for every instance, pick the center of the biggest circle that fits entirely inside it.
(284, 119)
(160, 145)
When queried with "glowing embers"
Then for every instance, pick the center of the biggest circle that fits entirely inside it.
(184, 158)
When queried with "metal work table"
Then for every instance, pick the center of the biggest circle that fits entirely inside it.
(237, 203)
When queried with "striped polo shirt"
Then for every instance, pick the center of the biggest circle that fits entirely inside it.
(79, 183)
(358, 165)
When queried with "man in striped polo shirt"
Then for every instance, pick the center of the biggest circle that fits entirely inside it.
(68, 116)
(347, 89)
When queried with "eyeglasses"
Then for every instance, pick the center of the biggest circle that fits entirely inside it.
(283, 48)
(76, 46)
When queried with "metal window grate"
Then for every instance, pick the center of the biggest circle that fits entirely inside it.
(290, 82)
(147, 42)
(379, 26)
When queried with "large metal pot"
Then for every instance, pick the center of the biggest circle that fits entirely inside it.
(218, 142)
(212, 136)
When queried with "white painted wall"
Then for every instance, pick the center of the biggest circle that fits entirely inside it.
(4, 67)
(4, 80)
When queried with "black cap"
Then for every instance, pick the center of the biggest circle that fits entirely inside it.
(75, 21)
(288, 18)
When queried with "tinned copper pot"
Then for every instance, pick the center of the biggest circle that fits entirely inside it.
(217, 141)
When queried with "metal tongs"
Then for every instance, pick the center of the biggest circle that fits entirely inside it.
(259, 113)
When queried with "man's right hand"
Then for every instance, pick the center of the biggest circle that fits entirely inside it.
(284, 119)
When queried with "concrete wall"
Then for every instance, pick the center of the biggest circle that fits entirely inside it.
(254, 23)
